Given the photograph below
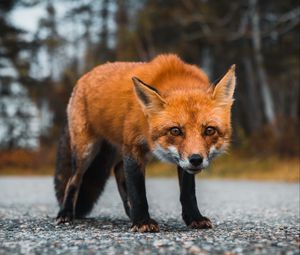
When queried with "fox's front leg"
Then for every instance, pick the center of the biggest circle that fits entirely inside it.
(190, 212)
(135, 183)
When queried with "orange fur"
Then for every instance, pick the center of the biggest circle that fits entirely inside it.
(104, 106)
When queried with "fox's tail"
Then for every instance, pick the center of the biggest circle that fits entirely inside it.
(94, 178)
(63, 169)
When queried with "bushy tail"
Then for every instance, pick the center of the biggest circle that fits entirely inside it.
(63, 169)
(93, 180)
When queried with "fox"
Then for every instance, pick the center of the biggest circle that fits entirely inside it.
(122, 113)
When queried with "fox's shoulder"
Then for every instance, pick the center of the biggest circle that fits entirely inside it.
(168, 72)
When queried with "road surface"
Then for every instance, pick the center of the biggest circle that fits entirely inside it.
(248, 218)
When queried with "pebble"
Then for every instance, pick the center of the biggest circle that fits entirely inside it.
(196, 250)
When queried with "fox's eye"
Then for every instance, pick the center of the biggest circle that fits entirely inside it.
(175, 131)
(209, 131)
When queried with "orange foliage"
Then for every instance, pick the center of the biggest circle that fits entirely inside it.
(27, 159)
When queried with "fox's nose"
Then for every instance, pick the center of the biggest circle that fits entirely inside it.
(195, 160)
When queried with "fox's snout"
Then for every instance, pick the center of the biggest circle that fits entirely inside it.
(196, 160)
(194, 163)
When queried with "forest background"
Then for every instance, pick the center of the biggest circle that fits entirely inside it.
(45, 46)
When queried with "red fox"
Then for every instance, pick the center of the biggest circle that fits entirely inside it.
(119, 113)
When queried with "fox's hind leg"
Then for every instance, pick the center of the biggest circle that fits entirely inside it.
(82, 156)
(84, 146)
(190, 212)
(121, 182)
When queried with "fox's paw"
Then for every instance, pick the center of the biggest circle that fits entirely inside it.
(64, 217)
(145, 226)
(203, 223)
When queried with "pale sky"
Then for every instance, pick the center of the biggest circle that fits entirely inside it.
(27, 18)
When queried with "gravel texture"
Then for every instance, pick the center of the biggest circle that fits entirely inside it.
(248, 218)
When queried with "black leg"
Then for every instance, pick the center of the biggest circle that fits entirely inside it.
(67, 210)
(190, 212)
(121, 182)
(66, 213)
(135, 183)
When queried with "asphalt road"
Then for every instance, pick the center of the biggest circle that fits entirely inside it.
(248, 218)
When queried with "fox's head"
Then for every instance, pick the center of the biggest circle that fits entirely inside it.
(188, 127)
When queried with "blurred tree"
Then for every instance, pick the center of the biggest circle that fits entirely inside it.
(18, 114)
(48, 37)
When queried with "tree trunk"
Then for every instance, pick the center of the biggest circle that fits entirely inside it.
(207, 61)
(267, 100)
(254, 118)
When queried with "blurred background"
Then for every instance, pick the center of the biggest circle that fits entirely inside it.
(45, 46)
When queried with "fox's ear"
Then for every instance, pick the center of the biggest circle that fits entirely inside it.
(149, 98)
(223, 91)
